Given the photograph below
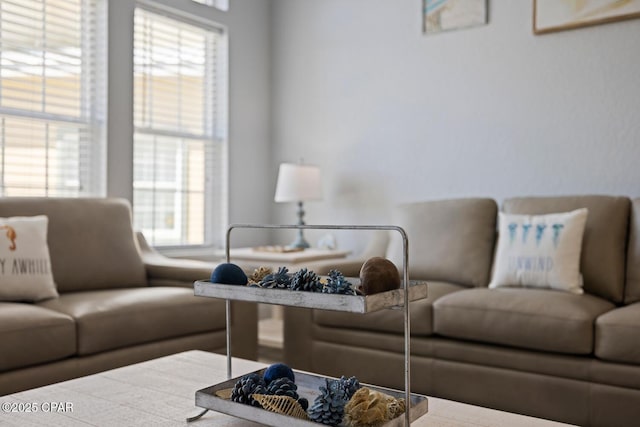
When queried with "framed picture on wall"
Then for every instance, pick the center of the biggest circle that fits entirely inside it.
(444, 15)
(558, 15)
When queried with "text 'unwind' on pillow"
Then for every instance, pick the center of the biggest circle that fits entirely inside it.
(25, 265)
(541, 251)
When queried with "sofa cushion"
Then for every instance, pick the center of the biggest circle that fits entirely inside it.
(618, 335)
(111, 319)
(632, 288)
(527, 318)
(540, 251)
(25, 265)
(31, 335)
(444, 236)
(602, 261)
(390, 320)
(91, 241)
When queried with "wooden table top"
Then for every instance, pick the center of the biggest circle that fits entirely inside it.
(297, 257)
(161, 392)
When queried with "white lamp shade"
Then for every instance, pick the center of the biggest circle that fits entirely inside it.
(298, 183)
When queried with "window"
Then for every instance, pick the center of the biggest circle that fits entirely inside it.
(179, 138)
(52, 59)
(219, 4)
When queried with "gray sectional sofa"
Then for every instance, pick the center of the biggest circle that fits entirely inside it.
(119, 302)
(546, 353)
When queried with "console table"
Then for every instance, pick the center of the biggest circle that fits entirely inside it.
(290, 260)
(270, 328)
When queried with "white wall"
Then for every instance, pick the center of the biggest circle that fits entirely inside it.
(247, 23)
(392, 115)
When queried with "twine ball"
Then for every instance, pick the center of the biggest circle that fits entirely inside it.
(228, 274)
(278, 370)
(378, 275)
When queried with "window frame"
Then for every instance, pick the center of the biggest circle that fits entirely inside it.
(218, 4)
(215, 217)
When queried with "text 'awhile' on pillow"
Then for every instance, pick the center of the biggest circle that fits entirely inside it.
(25, 265)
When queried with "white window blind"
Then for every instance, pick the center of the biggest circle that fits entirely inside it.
(52, 60)
(179, 139)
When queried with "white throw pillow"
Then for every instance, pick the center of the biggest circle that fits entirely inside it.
(25, 266)
(541, 251)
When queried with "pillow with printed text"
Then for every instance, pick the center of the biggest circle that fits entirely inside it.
(540, 251)
(25, 266)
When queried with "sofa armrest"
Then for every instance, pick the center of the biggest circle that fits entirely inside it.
(165, 271)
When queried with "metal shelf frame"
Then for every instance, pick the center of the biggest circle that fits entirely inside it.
(405, 287)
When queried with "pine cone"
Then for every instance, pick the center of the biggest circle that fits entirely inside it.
(245, 387)
(306, 280)
(348, 386)
(283, 387)
(278, 280)
(328, 408)
(338, 284)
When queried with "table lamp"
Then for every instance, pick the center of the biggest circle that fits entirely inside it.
(298, 183)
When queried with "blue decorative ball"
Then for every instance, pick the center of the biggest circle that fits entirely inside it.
(228, 274)
(278, 370)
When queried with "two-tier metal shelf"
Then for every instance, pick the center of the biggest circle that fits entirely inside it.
(308, 384)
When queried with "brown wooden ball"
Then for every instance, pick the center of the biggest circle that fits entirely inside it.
(378, 275)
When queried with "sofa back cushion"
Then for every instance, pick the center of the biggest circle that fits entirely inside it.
(602, 261)
(632, 288)
(91, 241)
(449, 240)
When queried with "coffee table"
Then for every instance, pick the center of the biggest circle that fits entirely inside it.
(161, 392)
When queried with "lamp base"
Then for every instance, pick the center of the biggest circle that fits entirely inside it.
(300, 242)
